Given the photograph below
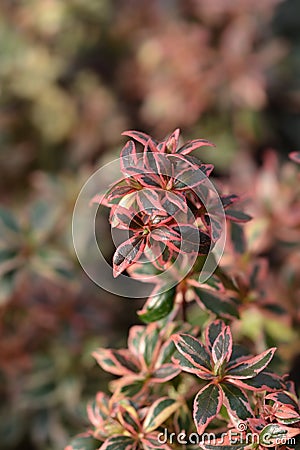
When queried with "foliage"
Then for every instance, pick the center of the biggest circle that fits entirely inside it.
(174, 377)
(73, 75)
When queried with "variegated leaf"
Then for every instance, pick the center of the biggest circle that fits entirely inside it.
(207, 405)
(159, 412)
(172, 141)
(187, 366)
(127, 253)
(117, 362)
(84, 441)
(192, 145)
(139, 136)
(252, 366)
(236, 402)
(193, 350)
(222, 348)
(149, 345)
(264, 381)
(119, 443)
(237, 216)
(212, 331)
(221, 307)
(165, 373)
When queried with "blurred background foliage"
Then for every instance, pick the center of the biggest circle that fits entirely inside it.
(74, 74)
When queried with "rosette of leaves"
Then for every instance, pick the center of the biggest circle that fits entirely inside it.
(225, 372)
(146, 361)
(156, 178)
(120, 423)
(157, 232)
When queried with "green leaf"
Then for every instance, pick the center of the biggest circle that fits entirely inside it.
(252, 366)
(221, 307)
(193, 350)
(238, 216)
(84, 442)
(8, 220)
(149, 343)
(164, 373)
(207, 405)
(236, 402)
(264, 381)
(159, 307)
(238, 238)
(117, 443)
(118, 362)
(159, 412)
(131, 389)
(222, 348)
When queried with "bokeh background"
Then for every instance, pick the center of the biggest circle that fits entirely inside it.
(74, 74)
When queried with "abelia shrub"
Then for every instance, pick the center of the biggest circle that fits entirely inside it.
(182, 373)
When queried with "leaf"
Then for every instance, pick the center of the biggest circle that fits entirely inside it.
(192, 239)
(222, 347)
(143, 138)
(149, 344)
(8, 220)
(212, 331)
(172, 141)
(283, 397)
(157, 163)
(134, 338)
(238, 238)
(193, 350)
(116, 192)
(117, 362)
(286, 415)
(264, 381)
(84, 442)
(252, 366)
(129, 419)
(220, 306)
(236, 402)
(295, 156)
(159, 412)
(237, 216)
(187, 366)
(158, 307)
(130, 386)
(207, 405)
(125, 219)
(148, 199)
(192, 145)
(275, 434)
(130, 160)
(190, 177)
(127, 253)
(227, 200)
(173, 201)
(118, 443)
(164, 373)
